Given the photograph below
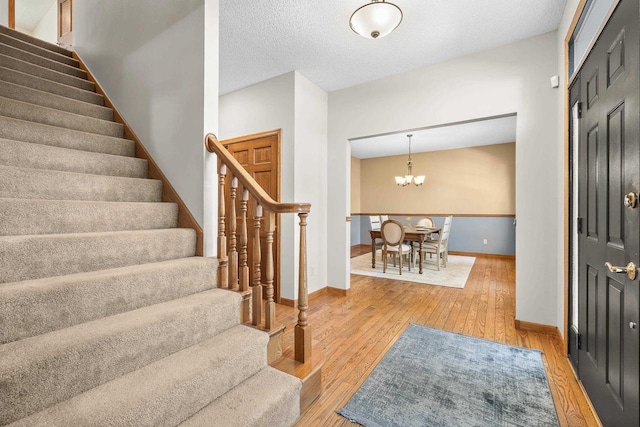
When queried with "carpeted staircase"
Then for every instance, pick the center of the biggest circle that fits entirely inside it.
(106, 315)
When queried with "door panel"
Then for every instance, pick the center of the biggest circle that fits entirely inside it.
(259, 155)
(608, 88)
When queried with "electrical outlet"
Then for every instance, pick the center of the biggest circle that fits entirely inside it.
(484, 241)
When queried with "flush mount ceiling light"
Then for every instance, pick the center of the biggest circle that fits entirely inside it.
(403, 181)
(376, 19)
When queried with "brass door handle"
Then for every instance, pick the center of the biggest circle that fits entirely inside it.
(631, 269)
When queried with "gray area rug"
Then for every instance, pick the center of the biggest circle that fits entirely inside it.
(432, 377)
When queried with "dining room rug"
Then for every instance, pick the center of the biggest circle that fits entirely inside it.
(432, 377)
(454, 275)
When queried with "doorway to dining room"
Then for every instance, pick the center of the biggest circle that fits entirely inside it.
(470, 174)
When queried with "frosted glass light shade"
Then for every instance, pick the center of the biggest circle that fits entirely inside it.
(376, 19)
(418, 180)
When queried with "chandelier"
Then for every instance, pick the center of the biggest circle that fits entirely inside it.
(403, 181)
(376, 19)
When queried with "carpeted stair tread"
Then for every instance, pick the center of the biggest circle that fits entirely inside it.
(12, 41)
(38, 156)
(24, 183)
(49, 116)
(32, 216)
(168, 391)
(41, 61)
(35, 41)
(48, 255)
(48, 86)
(21, 130)
(45, 73)
(81, 357)
(269, 398)
(35, 307)
(57, 102)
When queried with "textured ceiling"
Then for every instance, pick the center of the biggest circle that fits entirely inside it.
(30, 12)
(470, 134)
(261, 39)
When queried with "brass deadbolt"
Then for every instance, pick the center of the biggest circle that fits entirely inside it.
(631, 200)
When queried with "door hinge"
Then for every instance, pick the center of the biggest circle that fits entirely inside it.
(578, 341)
(579, 110)
(579, 225)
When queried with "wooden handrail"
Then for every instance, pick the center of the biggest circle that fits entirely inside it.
(234, 271)
(214, 146)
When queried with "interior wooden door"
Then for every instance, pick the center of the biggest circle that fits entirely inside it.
(608, 89)
(259, 154)
(65, 23)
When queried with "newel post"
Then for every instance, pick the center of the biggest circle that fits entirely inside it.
(222, 238)
(302, 330)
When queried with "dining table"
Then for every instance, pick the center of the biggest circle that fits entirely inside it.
(413, 234)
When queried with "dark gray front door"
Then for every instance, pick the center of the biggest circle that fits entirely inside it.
(607, 88)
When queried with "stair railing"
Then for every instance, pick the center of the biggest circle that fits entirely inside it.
(233, 273)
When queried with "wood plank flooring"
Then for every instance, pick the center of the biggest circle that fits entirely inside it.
(356, 331)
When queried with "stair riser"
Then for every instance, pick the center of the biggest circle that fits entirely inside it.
(275, 397)
(38, 156)
(45, 53)
(24, 217)
(44, 85)
(34, 41)
(40, 61)
(56, 102)
(35, 257)
(37, 133)
(79, 360)
(48, 116)
(168, 391)
(39, 306)
(45, 73)
(22, 183)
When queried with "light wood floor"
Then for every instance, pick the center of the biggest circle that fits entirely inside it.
(356, 331)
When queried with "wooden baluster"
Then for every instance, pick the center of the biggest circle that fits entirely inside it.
(270, 306)
(302, 330)
(233, 253)
(256, 288)
(223, 274)
(244, 257)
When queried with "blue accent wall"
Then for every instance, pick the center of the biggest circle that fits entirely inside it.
(467, 233)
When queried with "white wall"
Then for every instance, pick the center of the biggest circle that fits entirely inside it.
(211, 73)
(149, 57)
(293, 104)
(4, 12)
(262, 107)
(47, 28)
(508, 79)
(311, 126)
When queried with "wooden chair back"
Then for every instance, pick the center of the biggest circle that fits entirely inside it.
(425, 222)
(392, 232)
(374, 222)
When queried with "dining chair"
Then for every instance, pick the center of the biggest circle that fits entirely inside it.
(392, 233)
(440, 247)
(425, 222)
(374, 224)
